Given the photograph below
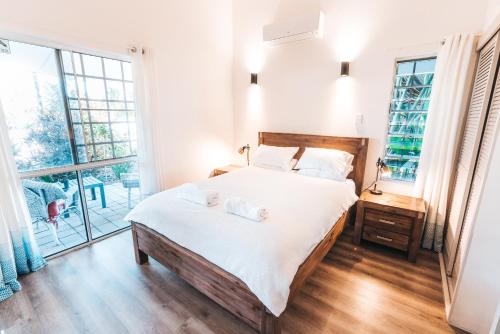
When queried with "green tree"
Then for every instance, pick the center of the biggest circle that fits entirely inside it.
(48, 135)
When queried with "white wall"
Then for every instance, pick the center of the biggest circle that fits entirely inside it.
(492, 13)
(477, 295)
(192, 45)
(300, 89)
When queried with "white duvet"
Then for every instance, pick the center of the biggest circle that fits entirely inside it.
(265, 255)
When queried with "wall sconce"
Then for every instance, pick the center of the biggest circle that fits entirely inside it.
(253, 78)
(344, 69)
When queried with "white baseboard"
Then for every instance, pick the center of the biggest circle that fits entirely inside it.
(447, 294)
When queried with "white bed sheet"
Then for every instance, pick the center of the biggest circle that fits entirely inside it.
(264, 255)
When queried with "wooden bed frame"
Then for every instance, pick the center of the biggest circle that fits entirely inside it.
(226, 289)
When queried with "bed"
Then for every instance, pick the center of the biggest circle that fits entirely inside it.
(253, 270)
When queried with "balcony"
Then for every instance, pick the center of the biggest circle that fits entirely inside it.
(110, 193)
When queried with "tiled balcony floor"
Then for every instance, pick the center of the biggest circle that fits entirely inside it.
(71, 231)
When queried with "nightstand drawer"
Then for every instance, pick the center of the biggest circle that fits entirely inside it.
(386, 238)
(388, 221)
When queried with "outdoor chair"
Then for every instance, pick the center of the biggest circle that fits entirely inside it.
(130, 181)
(47, 202)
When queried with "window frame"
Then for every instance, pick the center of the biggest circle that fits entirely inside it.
(82, 123)
(397, 60)
(58, 47)
(77, 166)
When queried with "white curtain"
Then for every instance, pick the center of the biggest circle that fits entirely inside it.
(443, 127)
(19, 253)
(143, 72)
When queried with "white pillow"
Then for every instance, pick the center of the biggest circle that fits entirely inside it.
(273, 157)
(331, 174)
(291, 166)
(326, 163)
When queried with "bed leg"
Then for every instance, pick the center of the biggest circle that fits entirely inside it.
(269, 324)
(140, 256)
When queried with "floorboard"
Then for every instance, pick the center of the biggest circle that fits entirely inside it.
(100, 289)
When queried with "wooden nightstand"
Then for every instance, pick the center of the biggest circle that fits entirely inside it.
(224, 170)
(392, 220)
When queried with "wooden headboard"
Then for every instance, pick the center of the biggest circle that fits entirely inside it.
(356, 146)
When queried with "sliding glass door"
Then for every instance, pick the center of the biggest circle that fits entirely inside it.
(71, 122)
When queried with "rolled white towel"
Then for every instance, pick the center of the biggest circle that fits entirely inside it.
(245, 209)
(191, 192)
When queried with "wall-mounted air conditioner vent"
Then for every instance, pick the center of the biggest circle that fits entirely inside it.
(294, 29)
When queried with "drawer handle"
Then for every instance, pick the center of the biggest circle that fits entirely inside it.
(384, 238)
(387, 221)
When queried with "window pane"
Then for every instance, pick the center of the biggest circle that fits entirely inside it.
(68, 65)
(97, 104)
(111, 192)
(90, 153)
(408, 115)
(95, 89)
(102, 133)
(34, 107)
(129, 91)
(117, 105)
(73, 104)
(405, 67)
(75, 116)
(113, 68)
(127, 71)
(103, 152)
(82, 91)
(92, 65)
(122, 150)
(120, 131)
(71, 86)
(82, 154)
(77, 62)
(99, 115)
(115, 90)
(55, 210)
(85, 116)
(79, 139)
(427, 65)
(118, 116)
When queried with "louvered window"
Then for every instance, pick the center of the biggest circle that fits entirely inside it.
(407, 117)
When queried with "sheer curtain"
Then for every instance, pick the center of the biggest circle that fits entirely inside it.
(445, 115)
(143, 72)
(19, 253)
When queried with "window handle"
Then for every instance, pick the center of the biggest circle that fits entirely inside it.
(384, 238)
(387, 221)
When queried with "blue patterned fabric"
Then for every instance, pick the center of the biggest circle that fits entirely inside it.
(19, 253)
(18, 257)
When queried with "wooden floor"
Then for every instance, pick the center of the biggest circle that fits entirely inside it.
(100, 289)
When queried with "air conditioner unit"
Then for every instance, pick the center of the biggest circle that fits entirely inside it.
(294, 29)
